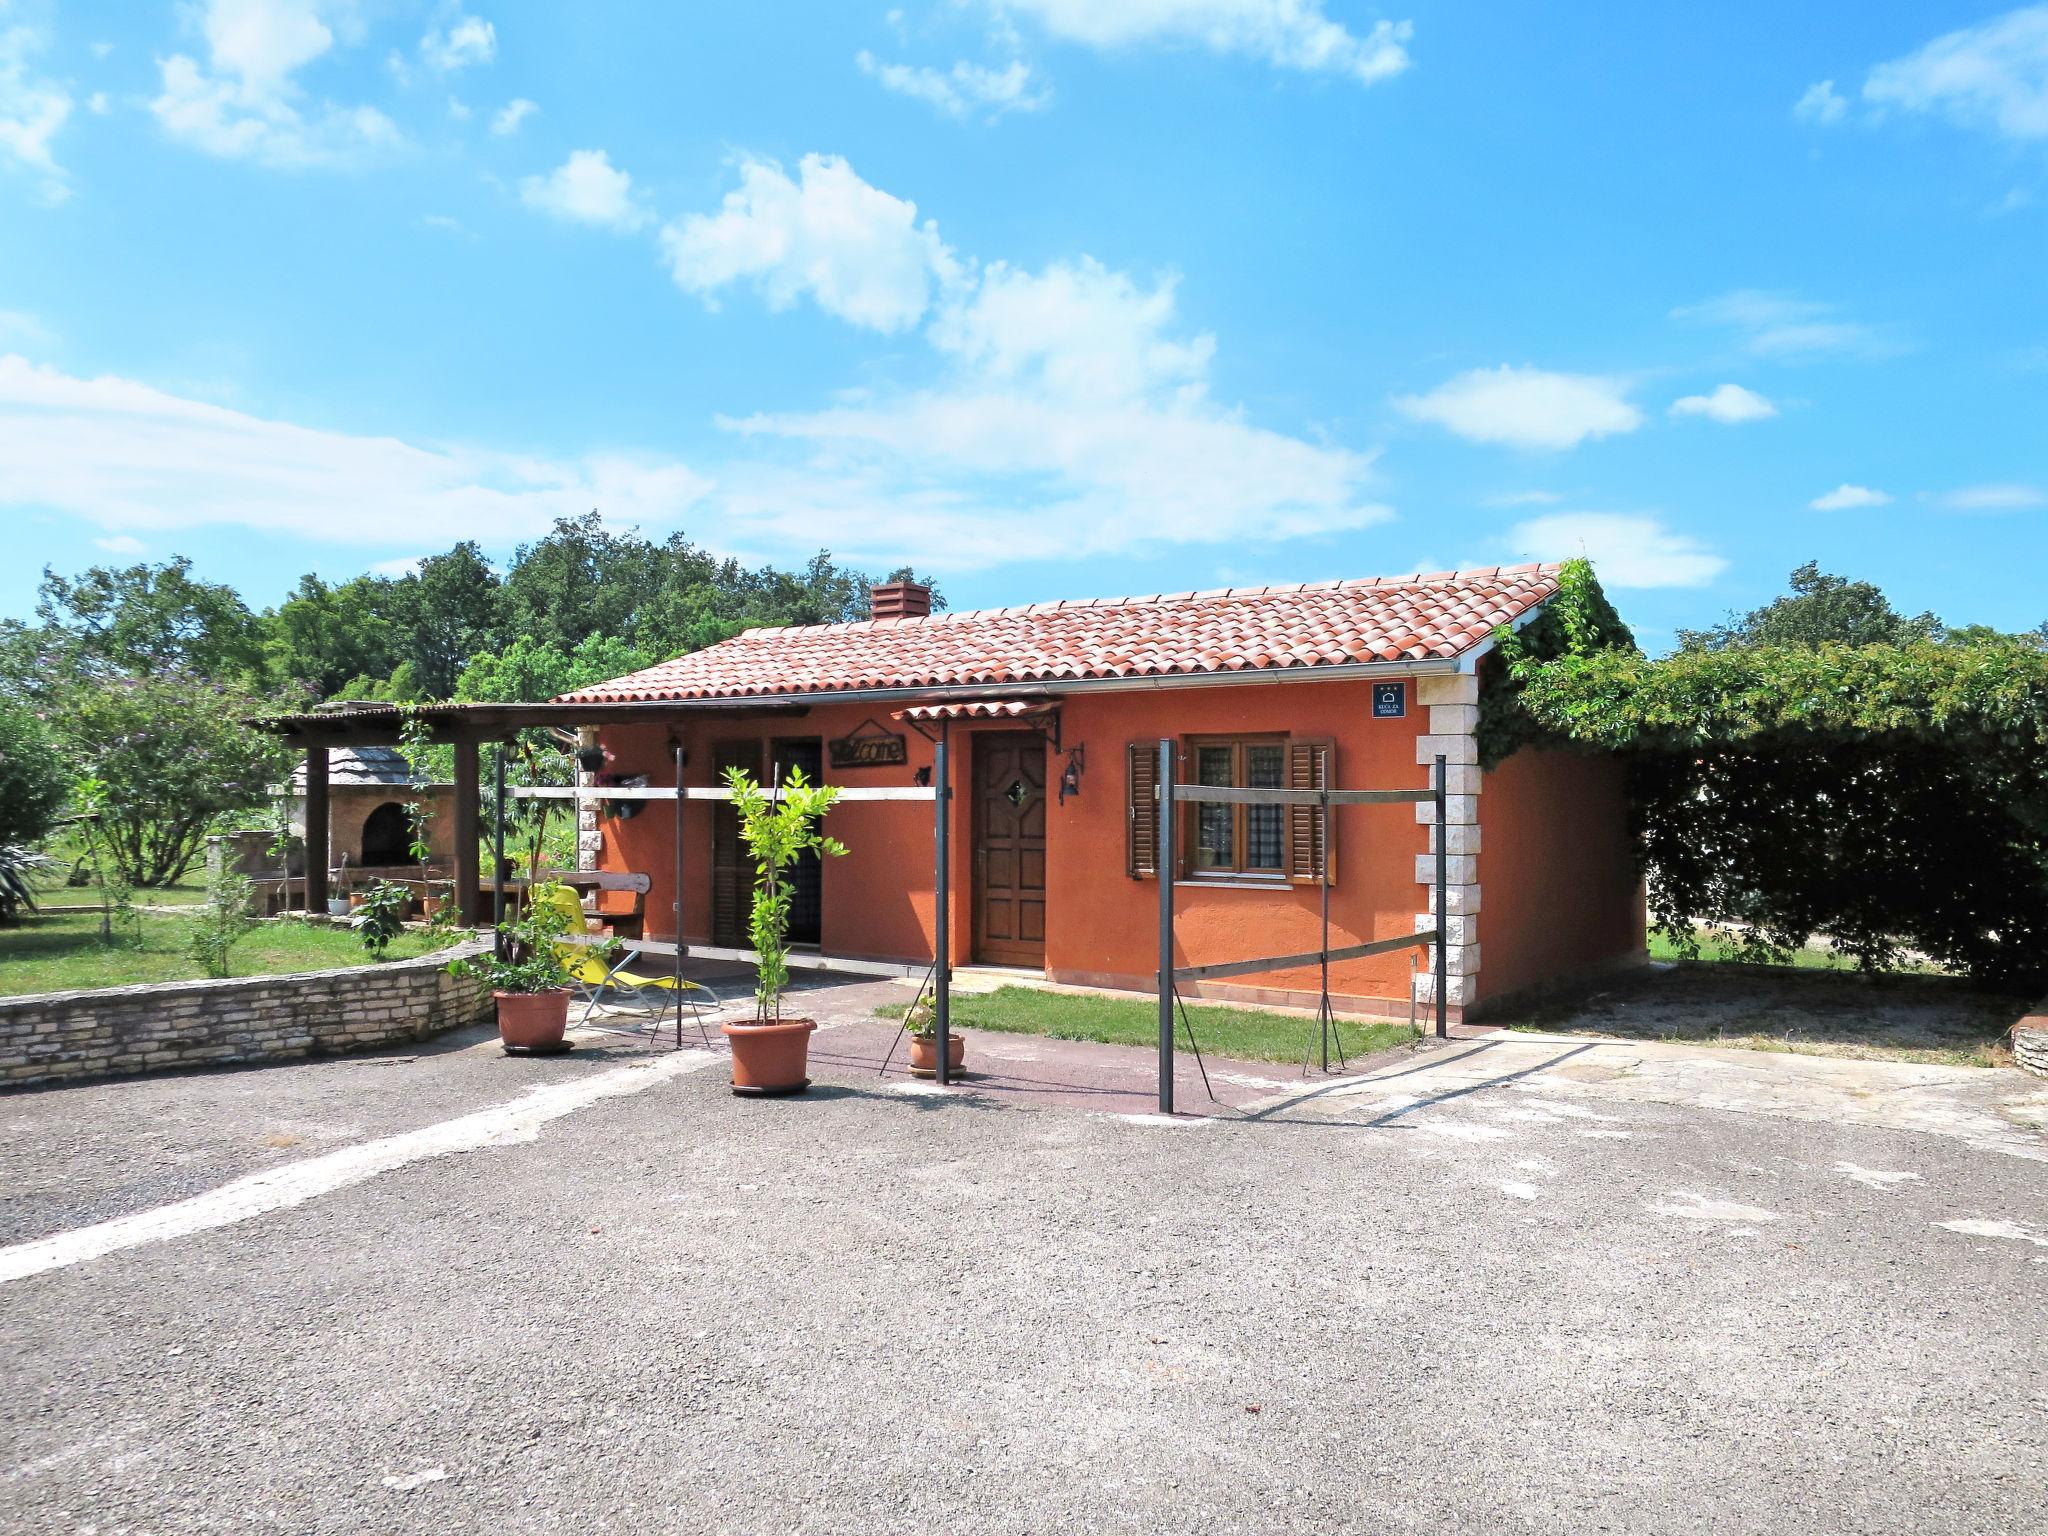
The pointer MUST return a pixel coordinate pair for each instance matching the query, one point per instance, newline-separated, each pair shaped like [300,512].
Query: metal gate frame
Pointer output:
[1171,795]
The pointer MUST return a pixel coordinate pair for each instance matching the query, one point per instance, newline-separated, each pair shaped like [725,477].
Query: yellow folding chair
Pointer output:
[643,996]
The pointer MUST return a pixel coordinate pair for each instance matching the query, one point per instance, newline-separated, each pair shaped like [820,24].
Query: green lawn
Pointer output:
[1244,1033]
[1814,957]
[188,892]
[56,953]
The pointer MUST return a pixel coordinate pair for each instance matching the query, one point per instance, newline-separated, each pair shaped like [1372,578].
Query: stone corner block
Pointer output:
[1451,688]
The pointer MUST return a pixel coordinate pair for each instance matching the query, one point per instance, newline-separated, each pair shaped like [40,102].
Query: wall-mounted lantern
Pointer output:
[1070,776]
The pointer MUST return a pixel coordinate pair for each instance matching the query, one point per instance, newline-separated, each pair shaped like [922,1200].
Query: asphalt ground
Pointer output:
[1494,1300]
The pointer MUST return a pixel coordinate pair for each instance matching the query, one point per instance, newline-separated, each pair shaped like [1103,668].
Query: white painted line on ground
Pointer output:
[1875,1178]
[2016,1231]
[502,1125]
[1700,1208]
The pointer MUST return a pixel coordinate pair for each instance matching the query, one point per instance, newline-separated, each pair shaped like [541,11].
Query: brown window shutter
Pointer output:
[1311,764]
[1141,832]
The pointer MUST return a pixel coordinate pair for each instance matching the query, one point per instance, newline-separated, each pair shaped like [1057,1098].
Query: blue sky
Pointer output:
[1051,297]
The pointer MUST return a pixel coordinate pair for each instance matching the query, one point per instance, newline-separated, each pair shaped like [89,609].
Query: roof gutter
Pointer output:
[1064,687]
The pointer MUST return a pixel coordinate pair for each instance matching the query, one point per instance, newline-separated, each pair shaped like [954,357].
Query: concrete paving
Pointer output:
[1503,1285]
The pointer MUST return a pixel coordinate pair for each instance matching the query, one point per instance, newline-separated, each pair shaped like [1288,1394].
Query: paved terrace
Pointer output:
[1498,1285]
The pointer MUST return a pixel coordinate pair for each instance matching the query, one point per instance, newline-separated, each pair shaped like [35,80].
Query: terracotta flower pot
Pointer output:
[532,1020]
[924,1053]
[770,1059]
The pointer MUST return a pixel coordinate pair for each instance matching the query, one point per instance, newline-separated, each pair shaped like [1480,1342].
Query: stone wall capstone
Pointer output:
[159,1026]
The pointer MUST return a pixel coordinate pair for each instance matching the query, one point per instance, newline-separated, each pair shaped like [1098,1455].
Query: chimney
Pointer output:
[900,600]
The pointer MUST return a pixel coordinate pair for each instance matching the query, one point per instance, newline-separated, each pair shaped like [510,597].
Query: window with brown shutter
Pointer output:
[1141,833]
[1310,765]
[1234,842]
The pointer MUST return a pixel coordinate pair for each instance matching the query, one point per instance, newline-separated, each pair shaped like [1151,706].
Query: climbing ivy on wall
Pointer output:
[1892,799]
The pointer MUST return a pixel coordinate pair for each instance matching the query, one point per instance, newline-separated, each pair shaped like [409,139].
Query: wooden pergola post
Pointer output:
[316,829]
[468,898]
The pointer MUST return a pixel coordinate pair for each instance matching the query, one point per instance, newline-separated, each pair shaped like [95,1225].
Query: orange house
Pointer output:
[1053,715]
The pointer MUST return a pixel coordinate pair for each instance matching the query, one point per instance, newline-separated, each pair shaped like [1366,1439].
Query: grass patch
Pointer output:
[1247,1034]
[1812,957]
[62,951]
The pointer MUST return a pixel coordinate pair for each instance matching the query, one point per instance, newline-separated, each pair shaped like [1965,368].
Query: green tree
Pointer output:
[1820,610]
[532,671]
[33,779]
[173,752]
[447,609]
[151,618]
[322,636]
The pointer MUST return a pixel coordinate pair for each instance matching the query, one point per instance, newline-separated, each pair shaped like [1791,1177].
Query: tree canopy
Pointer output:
[1821,767]
[131,687]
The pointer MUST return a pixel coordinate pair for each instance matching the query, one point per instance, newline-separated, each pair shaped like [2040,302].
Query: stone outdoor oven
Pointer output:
[369,790]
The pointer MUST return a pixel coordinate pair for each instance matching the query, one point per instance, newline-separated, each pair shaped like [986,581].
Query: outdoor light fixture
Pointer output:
[1070,776]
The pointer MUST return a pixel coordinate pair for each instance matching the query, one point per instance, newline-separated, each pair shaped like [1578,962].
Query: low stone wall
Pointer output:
[2030,1042]
[114,1031]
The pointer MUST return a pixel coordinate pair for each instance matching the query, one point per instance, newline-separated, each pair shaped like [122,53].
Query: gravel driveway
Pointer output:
[1447,1299]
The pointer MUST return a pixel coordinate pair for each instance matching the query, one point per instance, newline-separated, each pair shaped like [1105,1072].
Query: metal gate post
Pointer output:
[498,854]
[942,941]
[1443,918]
[1164,857]
[678,896]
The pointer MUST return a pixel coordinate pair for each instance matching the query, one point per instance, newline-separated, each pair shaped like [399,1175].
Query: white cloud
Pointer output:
[1846,497]
[1078,331]
[1992,76]
[1627,551]
[23,328]
[1784,327]
[99,104]
[1729,404]
[1821,103]
[122,544]
[1993,498]
[512,115]
[1290,34]
[464,41]
[1526,407]
[131,458]
[586,189]
[1076,422]
[1525,499]
[853,249]
[244,103]
[33,109]
[965,88]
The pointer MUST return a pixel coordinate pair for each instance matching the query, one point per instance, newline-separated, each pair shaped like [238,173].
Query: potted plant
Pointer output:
[770,1054]
[529,974]
[921,1019]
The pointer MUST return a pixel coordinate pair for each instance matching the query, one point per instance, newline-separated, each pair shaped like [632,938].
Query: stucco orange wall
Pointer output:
[1100,925]
[1558,886]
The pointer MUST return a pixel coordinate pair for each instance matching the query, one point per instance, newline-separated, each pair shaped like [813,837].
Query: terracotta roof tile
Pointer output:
[1288,629]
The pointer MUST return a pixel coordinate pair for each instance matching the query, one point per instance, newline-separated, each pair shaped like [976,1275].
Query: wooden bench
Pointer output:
[627,920]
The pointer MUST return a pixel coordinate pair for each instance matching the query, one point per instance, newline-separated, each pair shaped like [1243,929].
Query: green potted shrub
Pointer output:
[921,1022]
[529,975]
[771,1054]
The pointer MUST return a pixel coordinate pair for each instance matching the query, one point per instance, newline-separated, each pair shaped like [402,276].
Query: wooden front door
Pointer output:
[1009,848]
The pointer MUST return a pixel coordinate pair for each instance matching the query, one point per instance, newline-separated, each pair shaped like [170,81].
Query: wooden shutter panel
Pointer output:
[1311,764]
[1141,831]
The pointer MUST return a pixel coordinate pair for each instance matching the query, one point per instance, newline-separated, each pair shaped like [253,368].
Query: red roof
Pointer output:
[1286,630]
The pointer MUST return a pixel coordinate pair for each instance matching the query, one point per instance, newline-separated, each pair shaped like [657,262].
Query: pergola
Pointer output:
[468,727]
